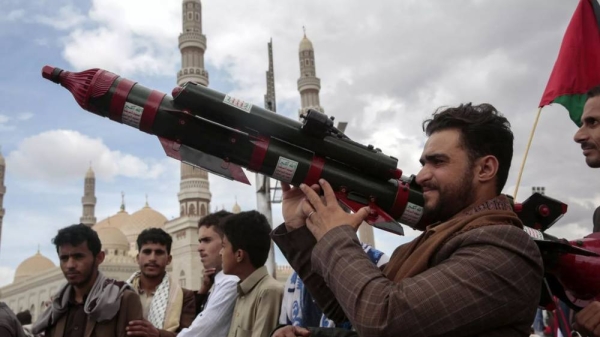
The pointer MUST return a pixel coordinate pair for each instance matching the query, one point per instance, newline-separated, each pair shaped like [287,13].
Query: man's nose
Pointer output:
[70,263]
[580,136]
[423,175]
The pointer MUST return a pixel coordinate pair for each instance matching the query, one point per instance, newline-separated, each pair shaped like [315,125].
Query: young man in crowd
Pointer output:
[246,246]
[216,297]
[167,307]
[89,304]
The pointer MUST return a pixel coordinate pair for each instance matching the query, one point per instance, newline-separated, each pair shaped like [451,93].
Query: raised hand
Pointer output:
[324,215]
[295,207]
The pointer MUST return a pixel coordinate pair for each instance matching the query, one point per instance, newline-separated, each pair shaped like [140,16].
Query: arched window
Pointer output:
[192,209]
[182,213]
[203,210]
[182,278]
[190,16]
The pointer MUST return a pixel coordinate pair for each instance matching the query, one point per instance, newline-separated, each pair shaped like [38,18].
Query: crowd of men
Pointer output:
[473,271]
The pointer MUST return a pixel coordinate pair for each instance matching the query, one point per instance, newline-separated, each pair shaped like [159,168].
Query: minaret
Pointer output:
[194,193]
[270,102]
[308,83]
[2,191]
[88,201]
[263,184]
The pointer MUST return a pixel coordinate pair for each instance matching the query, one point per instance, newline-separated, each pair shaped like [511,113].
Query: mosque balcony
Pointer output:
[192,39]
[311,82]
[88,200]
[192,74]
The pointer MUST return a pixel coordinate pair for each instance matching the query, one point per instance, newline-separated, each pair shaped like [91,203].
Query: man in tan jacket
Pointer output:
[89,305]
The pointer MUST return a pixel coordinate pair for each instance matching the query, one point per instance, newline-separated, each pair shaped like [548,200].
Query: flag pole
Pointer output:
[537,118]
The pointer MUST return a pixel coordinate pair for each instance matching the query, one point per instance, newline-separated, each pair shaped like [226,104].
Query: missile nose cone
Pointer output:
[51,73]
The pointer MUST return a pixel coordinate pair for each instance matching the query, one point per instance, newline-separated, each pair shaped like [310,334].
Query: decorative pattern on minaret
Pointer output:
[2,191]
[88,201]
[194,189]
[270,101]
[309,84]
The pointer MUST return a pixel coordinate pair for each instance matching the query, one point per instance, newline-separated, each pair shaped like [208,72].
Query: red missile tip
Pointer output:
[83,85]
[47,72]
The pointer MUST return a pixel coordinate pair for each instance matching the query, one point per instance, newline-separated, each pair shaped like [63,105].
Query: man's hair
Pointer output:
[24,317]
[77,234]
[214,220]
[483,131]
[249,231]
[154,235]
[595,91]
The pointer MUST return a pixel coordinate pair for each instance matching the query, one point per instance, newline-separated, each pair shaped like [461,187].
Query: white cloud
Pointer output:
[4,119]
[58,155]
[66,18]
[128,37]
[13,15]
[24,116]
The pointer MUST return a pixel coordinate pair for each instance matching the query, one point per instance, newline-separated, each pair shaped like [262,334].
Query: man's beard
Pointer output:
[452,198]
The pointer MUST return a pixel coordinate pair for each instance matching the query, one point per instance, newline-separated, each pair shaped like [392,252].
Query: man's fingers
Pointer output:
[136,322]
[299,331]
[312,197]
[330,198]
[359,217]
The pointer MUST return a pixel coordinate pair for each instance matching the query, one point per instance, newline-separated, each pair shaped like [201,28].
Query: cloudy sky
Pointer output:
[384,68]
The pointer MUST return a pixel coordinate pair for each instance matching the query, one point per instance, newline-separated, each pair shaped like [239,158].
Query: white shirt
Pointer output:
[215,319]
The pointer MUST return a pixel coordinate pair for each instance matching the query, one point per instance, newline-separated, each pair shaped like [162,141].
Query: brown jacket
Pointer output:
[188,313]
[483,282]
[131,309]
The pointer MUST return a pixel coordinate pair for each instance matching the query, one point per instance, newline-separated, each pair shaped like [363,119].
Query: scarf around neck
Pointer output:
[413,258]
[160,300]
[102,304]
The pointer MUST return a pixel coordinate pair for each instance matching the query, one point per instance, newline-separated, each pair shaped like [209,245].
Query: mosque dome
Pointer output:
[32,266]
[305,44]
[145,218]
[112,238]
[118,220]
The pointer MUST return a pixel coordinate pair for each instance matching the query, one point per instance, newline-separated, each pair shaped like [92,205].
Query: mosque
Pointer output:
[37,278]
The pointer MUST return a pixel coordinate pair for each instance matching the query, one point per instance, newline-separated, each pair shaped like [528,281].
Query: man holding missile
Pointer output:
[472,272]
[587,321]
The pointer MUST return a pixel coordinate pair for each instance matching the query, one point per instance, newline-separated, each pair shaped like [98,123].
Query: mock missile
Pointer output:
[222,134]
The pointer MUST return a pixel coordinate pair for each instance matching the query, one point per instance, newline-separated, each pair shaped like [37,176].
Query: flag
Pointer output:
[577,68]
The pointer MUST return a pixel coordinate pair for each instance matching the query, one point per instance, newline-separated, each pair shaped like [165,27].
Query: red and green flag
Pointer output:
[577,68]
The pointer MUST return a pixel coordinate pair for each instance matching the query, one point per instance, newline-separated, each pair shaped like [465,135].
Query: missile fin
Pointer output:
[204,161]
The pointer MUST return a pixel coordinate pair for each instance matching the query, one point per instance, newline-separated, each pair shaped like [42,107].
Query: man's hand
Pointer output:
[291,331]
[587,321]
[294,206]
[141,328]
[207,280]
[324,216]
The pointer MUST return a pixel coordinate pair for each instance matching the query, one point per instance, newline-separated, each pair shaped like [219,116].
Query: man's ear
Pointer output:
[169,259]
[100,258]
[240,255]
[486,168]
